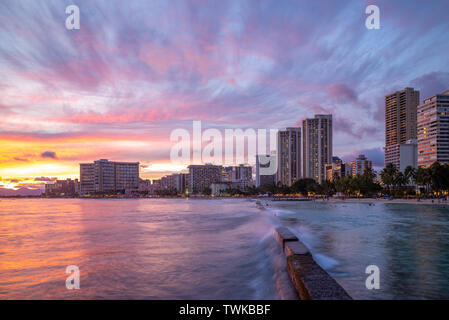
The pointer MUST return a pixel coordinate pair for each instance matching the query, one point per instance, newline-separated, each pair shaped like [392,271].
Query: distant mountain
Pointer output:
[20,192]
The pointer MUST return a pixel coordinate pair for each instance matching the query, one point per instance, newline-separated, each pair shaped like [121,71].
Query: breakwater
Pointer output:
[310,280]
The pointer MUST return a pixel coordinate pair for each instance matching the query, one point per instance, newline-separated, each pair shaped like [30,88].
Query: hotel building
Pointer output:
[360,164]
[289,156]
[433,130]
[317,146]
[181,182]
[108,176]
[400,122]
[87,178]
[202,176]
[242,176]
[338,169]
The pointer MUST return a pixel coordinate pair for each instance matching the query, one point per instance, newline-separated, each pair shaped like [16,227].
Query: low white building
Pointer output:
[408,154]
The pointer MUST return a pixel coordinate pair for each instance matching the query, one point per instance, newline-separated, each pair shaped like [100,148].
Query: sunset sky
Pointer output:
[136,70]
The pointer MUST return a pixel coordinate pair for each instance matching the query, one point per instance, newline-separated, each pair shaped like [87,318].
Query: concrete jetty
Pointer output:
[310,280]
[284,235]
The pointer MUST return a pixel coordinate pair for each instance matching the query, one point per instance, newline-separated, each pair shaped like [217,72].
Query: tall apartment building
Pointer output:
[202,176]
[317,146]
[289,156]
[433,130]
[181,182]
[400,122]
[360,164]
[263,179]
[109,176]
[104,176]
[87,178]
[126,175]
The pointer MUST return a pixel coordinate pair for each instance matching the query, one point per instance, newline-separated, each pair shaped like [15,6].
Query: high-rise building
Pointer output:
[104,176]
[352,167]
[126,175]
[361,163]
[242,176]
[87,178]
[181,182]
[433,130]
[108,176]
[262,178]
[317,146]
[338,170]
[242,172]
[289,156]
[202,176]
[400,122]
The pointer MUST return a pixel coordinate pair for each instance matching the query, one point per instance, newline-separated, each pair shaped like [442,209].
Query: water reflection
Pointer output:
[140,249]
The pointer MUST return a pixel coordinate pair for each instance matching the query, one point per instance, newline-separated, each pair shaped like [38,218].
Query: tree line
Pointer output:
[359,185]
[431,181]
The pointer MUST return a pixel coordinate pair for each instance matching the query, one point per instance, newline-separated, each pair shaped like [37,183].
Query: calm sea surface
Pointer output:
[215,249]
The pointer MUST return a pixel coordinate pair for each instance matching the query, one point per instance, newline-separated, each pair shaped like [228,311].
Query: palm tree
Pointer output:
[423,178]
[409,175]
[388,175]
[327,188]
[436,176]
[399,180]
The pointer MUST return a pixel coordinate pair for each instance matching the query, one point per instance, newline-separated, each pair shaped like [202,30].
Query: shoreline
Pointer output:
[393,201]
[267,199]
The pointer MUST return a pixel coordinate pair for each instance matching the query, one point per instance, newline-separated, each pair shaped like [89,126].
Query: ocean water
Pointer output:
[216,249]
[408,243]
[140,249]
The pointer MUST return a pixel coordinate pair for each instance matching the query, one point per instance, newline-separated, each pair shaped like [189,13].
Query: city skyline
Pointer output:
[116,88]
[327,163]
